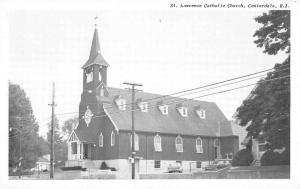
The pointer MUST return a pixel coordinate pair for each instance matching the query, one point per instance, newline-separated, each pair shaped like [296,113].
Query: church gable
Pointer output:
[101,90]
[73,137]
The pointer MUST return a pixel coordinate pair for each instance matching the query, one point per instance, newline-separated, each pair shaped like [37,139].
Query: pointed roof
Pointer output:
[95,55]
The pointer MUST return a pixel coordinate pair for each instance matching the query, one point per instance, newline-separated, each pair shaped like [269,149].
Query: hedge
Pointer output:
[274,158]
[242,158]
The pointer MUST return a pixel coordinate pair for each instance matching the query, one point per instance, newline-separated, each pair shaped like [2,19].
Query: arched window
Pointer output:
[136,142]
[157,143]
[113,138]
[179,144]
[199,148]
[100,140]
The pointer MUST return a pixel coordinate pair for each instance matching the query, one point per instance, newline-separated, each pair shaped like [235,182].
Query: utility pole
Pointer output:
[132,128]
[20,157]
[52,131]
[20,146]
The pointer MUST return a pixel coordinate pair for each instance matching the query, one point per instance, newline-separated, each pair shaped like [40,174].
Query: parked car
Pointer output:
[218,164]
[176,168]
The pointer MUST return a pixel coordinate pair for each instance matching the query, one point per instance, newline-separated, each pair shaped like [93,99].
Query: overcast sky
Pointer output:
[165,50]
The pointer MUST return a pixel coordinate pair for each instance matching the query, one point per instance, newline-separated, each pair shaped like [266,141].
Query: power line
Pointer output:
[180,101]
[189,90]
[224,85]
[183,100]
[26,132]
[205,86]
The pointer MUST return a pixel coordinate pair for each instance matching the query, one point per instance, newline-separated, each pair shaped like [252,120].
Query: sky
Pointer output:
[165,50]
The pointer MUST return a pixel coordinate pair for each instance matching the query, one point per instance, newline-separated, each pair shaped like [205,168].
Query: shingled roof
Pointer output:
[85,136]
[215,123]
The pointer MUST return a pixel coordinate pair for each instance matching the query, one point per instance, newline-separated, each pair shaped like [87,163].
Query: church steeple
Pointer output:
[95,55]
[95,48]
[95,69]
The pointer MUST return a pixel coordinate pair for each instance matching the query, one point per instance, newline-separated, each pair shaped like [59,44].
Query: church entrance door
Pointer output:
[85,151]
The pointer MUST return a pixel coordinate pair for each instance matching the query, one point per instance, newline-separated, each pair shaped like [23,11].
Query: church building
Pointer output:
[168,130]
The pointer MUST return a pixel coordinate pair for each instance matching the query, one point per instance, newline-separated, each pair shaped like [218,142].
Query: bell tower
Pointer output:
[95,69]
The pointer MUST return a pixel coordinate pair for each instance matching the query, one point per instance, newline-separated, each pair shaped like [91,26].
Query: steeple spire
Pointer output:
[95,48]
[95,55]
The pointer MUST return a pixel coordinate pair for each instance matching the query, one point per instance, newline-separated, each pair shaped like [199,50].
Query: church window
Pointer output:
[157,143]
[136,142]
[198,164]
[183,111]
[144,106]
[100,76]
[179,144]
[199,147]
[164,109]
[113,138]
[201,113]
[102,91]
[100,140]
[89,77]
[121,104]
[156,164]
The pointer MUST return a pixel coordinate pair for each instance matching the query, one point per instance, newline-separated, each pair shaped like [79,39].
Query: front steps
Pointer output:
[256,163]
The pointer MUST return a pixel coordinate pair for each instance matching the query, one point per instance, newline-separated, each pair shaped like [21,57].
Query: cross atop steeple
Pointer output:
[95,19]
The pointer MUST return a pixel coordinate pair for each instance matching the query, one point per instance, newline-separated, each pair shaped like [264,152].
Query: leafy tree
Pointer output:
[60,145]
[266,111]
[23,129]
[275,33]
[68,126]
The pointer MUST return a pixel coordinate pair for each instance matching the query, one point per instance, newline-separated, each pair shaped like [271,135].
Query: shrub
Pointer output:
[71,168]
[104,166]
[275,158]
[242,158]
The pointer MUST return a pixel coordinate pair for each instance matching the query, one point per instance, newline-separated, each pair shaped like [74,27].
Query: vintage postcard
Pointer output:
[193,91]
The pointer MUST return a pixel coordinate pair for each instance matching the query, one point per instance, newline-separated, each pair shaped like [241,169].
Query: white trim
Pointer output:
[201,113]
[162,108]
[121,103]
[200,146]
[176,145]
[114,124]
[71,135]
[183,111]
[143,106]
[160,148]
[101,135]
[112,142]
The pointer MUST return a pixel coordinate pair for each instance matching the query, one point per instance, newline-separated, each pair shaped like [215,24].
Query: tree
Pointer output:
[68,126]
[60,145]
[24,127]
[266,111]
[275,33]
